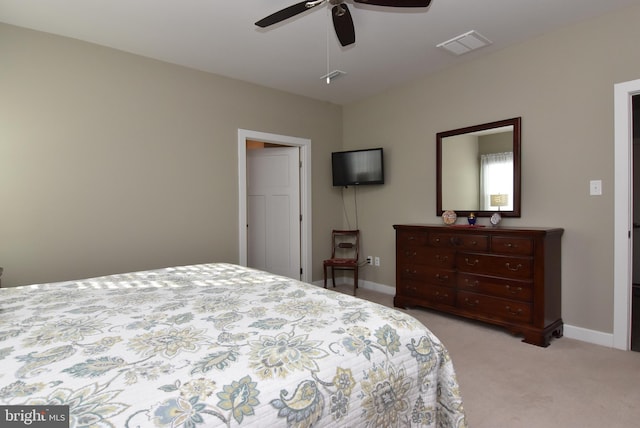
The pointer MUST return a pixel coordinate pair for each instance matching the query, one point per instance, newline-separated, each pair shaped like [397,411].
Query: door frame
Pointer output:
[623,213]
[304,145]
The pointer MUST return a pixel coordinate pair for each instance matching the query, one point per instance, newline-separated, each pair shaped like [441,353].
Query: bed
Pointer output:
[220,345]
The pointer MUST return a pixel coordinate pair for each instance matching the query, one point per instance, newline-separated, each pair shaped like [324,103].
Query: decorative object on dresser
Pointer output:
[510,277]
[449,217]
[471,219]
[495,219]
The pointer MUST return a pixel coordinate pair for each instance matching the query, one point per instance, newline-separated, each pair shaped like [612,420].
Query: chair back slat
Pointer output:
[345,244]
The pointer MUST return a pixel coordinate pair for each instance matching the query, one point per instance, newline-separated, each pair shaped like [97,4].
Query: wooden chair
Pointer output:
[345,249]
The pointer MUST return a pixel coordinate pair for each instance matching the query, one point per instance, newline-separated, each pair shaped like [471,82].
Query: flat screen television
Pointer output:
[357,167]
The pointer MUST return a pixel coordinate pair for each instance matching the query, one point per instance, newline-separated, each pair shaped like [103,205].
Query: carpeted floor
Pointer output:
[506,383]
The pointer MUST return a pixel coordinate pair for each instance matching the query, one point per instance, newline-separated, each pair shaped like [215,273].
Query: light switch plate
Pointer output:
[595,187]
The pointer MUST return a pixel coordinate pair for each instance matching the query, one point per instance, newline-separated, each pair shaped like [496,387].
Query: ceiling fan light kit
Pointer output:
[342,20]
[333,75]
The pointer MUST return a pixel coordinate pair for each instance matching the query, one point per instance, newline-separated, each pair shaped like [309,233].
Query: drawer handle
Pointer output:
[472,262]
[474,283]
[471,302]
[411,238]
[440,296]
[410,253]
[513,269]
[516,290]
[442,278]
[409,271]
[517,312]
[441,258]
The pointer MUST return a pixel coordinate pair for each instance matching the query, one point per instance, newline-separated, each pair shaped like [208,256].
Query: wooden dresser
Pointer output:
[509,277]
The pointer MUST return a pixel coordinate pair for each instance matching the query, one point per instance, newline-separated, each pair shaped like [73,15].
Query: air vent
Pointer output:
[464,43]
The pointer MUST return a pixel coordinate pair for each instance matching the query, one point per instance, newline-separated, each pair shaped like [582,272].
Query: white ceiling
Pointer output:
[392,45]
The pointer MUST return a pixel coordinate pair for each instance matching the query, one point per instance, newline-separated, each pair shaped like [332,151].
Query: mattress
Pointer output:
[220,345]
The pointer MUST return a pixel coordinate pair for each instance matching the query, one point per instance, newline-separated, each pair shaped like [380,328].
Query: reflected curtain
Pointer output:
[496,178]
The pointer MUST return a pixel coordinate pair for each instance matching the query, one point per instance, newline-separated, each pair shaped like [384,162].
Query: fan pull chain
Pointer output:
[327,40]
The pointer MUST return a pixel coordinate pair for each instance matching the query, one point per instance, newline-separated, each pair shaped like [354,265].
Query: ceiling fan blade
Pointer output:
[285,13]
[397,3]
[343,24]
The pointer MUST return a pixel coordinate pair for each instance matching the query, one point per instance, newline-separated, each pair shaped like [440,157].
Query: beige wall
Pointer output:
[562,86]
[112,162]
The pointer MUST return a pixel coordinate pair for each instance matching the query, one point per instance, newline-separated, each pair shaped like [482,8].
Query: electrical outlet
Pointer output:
[595,187]
[369,260]
[377,261]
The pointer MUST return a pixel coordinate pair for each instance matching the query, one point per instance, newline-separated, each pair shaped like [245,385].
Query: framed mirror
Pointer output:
[478,169]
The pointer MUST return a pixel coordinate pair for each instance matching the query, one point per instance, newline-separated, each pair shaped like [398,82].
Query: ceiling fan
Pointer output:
[342,21]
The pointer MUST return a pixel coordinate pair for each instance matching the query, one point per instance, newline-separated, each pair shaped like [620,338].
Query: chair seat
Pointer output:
[346,262]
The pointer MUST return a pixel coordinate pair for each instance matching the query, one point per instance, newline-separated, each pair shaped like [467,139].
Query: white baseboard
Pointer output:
[590,336]
[572,332]
[367,285]
[380,288]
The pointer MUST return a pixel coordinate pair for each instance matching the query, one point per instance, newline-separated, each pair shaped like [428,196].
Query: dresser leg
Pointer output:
[536,339]
[543,337]
[558,332]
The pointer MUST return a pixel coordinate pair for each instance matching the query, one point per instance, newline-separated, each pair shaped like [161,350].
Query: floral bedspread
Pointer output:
[220,345]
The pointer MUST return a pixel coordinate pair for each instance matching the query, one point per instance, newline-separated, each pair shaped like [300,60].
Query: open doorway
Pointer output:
[635,293]
[304,146]
[623,212]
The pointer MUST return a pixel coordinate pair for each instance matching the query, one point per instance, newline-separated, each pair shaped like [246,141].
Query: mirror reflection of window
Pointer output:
[496,179]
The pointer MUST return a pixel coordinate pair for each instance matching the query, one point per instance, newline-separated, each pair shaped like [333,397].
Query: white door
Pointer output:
[273,210]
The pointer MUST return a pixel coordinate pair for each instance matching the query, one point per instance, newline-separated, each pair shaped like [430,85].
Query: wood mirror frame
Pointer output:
[498,126]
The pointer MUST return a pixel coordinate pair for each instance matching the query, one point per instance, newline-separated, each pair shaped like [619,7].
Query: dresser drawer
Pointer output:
[498,287]
[441,239]
[411,238]
[498,265]
[512,245]
[460,241]
[494,307]
[431,275]
[431,256]
[471,242]
[432,293]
